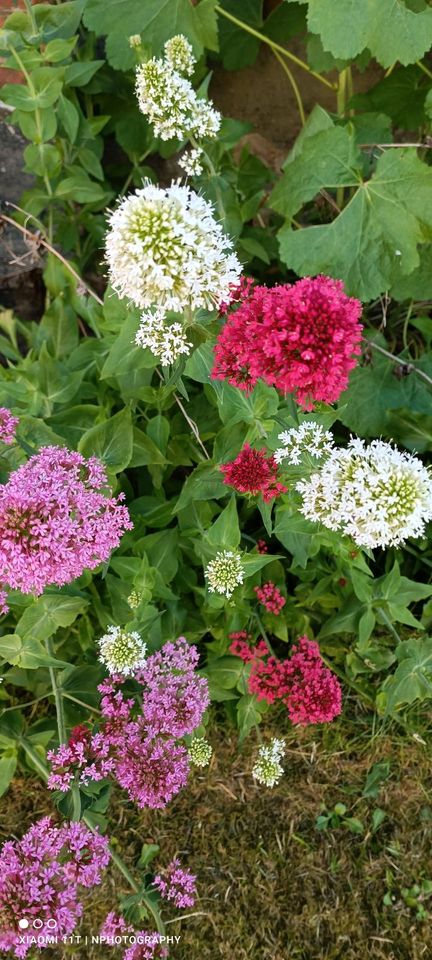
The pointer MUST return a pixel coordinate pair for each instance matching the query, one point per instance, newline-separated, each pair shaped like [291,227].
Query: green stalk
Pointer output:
[294,86]
[344,94]
[61,725]
[275,46]
[38,121]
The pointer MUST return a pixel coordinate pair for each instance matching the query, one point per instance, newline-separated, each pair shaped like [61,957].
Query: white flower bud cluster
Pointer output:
[167,98]
[224,573]
[375,494]
[167,341]
[122,652]
[309,438]
[164,248]
[268,768]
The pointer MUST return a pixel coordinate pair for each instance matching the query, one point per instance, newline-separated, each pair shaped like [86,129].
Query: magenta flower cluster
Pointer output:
[301,338]
[8,425]
[177,885]
[41,876]
[140,746]
[56,520]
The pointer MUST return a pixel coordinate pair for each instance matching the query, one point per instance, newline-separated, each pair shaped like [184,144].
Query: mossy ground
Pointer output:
[272,886]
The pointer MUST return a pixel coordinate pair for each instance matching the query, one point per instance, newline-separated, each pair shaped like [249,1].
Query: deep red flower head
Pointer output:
[253,471]
[301,338]
[309,690]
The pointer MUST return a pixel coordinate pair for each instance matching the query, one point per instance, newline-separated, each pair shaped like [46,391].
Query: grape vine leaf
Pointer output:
[364,245]
[391,31]
[155,20]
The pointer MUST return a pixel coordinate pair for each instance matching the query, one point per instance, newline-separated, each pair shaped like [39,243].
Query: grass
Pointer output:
[272,886]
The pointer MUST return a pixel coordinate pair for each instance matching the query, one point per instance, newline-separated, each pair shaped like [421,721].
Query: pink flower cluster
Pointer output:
[309,690]
[8,425]
[301,338]
[240,646]
[56,521]
[144,946]
[262,546]
[140,747]
[270,597]
[253,471]
[40,877]
[177,885]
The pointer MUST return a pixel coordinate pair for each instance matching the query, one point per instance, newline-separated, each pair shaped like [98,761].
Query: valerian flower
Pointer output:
[165,249]
[268,769]
[373,493]
[224,573]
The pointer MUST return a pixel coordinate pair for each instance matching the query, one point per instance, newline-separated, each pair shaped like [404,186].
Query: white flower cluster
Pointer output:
[310,437]
[225,572]
[268,769]
[167,341]
[165,248]
[190,162]
[375,494]
[200,752]
[122,652]
[179,55]
[168,99]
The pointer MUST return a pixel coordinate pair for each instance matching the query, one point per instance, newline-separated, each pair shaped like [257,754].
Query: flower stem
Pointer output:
[262,628]
[294,85]
[35,758]
[151,907]
[409,366]
[61,726]
[274,46]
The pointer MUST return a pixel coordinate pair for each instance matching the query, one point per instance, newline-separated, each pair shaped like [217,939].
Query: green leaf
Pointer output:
[400,189]
[57,50]
[401,96]
[224,534]
[145,451]
[249,714]
[199,364]
[82,682]
[33,655]
[78,74]
[156,21]
[412,679]
[374,390]
[8,763]
[80,188]
[111,441]
[148,852]
[391,31]
[205,483]
[69,117]
[225,671]
[297,534]
[46,614]
[238,48]
[10,646]
[376,776]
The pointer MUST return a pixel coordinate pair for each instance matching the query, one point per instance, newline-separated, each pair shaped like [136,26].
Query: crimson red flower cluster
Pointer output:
[253,471]
[270,597]
[301,338]
[309,690]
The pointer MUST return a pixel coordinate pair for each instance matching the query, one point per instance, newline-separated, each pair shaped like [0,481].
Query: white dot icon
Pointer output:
[23,924]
